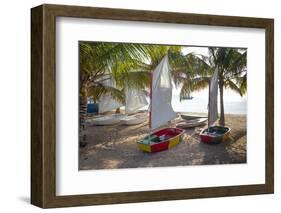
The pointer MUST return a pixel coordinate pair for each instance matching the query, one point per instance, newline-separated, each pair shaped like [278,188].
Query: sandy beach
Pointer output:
[112,147]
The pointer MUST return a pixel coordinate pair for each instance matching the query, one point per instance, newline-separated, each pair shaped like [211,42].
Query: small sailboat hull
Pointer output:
[215,134]
[191,123]
[191,117]
[133,120]
[161,140]
[107,120]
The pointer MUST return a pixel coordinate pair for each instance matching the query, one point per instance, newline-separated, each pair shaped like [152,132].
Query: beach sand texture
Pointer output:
[112,147]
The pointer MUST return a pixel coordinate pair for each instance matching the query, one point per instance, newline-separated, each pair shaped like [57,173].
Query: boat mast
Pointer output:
[213,102]
[150,94]
[209,103]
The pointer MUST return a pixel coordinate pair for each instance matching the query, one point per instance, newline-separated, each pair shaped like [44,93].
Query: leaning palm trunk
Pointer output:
[82,112]
[82,118]
[222,120]
[83,105]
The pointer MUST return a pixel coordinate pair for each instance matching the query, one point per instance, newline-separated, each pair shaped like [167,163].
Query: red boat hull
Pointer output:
[215,138]
[153,143]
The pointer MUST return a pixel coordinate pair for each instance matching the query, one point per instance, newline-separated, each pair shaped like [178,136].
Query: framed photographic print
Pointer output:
[136,106]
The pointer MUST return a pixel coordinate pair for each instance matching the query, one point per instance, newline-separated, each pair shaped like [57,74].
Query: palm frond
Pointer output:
[97,92]
[242,81]
[134,79]
[195,84]
[231,85]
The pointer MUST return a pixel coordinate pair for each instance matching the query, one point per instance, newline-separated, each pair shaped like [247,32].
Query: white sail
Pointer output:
[135,99]
[106,102]
[161,95]
[213,99]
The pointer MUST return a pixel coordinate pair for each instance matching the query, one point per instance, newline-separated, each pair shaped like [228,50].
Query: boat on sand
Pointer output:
[134,100]
[191,123]
[161,112]
[133,119]
[191,117]
[215,134]
[161,140]
[107,120]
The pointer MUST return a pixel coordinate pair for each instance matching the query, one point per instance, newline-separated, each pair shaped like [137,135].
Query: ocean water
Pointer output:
[233,103]
[200,105]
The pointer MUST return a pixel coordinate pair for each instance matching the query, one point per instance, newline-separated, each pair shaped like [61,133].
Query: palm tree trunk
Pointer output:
[83,104]
[82,111]
[222,119]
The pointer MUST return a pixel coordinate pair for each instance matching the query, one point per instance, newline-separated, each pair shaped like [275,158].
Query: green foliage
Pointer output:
[101,61]
[196,73]
[129,65]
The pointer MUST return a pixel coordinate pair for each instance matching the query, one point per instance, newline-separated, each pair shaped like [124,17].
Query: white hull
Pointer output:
[107,120]
[191,117]
[133,120]
[192,123]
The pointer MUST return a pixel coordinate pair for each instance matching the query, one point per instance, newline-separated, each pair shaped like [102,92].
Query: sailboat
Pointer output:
[191,123]
[106,104]
[214,134]
[191,117]
[135,99]
[161,112]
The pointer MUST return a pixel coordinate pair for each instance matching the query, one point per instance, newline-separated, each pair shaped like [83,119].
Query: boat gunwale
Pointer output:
[180,134]
[214,136]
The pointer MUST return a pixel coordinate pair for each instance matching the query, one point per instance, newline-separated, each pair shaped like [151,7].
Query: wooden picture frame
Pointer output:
[43,105]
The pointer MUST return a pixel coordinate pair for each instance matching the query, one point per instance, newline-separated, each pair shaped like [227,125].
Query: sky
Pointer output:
[196,50]
[229,95]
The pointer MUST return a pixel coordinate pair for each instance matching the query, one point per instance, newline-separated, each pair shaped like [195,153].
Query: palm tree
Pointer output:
[232,73]
[96,62]
[127,64]
[132,72]
[136,74]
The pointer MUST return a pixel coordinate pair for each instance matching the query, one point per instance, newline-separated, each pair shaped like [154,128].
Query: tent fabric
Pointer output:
[213,99]
[135,99]
[106,102]
[161,95]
